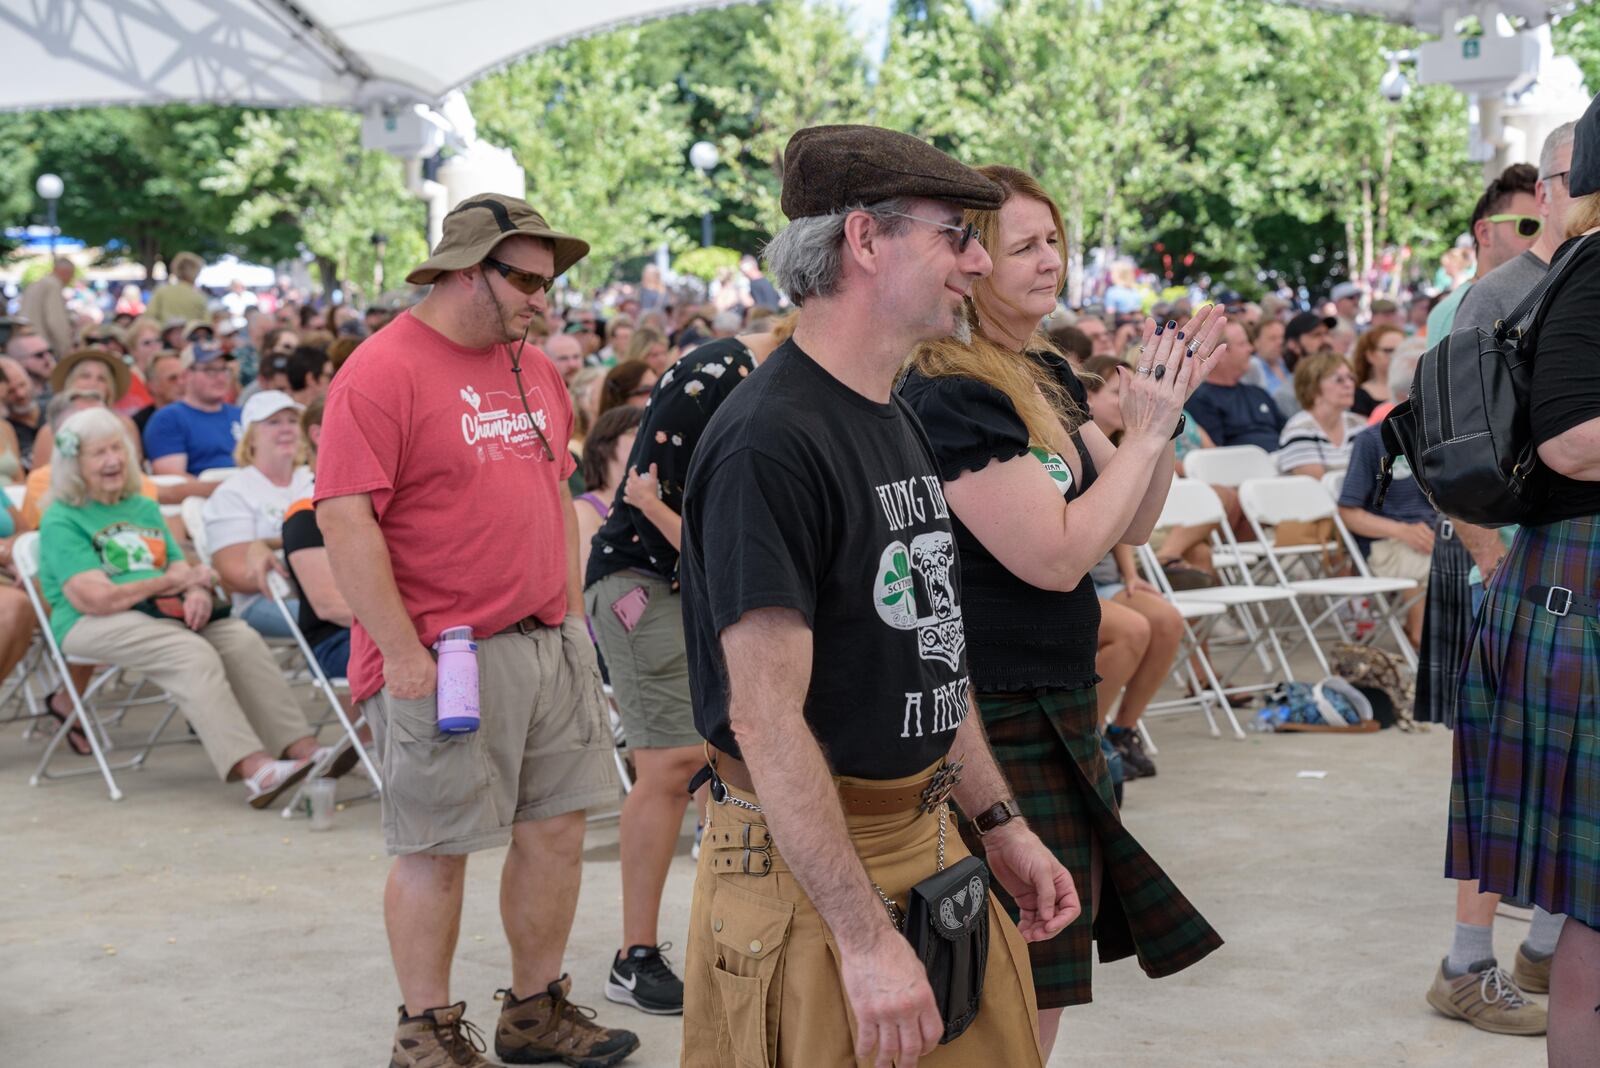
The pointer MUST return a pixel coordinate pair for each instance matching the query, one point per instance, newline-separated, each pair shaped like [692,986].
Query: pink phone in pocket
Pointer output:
[629,608]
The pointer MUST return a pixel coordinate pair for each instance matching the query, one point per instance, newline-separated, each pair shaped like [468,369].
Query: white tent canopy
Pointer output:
[277,53]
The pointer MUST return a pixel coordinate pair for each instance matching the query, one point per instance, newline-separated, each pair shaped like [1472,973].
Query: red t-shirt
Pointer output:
[467,499]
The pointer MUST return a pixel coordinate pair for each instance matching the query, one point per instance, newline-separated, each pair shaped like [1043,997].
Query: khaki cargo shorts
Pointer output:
[649,665]
[543,749]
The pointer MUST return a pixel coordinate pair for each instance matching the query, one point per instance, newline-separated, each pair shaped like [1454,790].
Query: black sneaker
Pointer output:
[1128,743]
[644,980]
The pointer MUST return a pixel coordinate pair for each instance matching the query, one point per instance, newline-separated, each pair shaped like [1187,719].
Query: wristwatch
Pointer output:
[1183,420]
[995,816]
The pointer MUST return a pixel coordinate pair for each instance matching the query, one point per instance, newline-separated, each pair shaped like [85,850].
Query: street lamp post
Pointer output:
[380,245]
[50,187]
[703,156]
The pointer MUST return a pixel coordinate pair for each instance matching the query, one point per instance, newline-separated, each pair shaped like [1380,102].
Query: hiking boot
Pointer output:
[548,1027]
[1532,975]
[439,1038]
[644,979]
[1131,748]
[1488,999]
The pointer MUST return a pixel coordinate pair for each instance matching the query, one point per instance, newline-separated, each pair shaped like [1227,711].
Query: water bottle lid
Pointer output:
[451,634]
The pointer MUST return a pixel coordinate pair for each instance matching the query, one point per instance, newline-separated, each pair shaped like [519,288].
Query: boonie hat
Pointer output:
[63,370]
[266,404]
[1346,290]
[828,168]
[476,225]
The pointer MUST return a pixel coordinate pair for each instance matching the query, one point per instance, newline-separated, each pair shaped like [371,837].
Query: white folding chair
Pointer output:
[25,553]
[1231,465]
[279,590]
[169,510]
[1270,501]
[1194,503]
[216,474]
[1183,673]
[194,520]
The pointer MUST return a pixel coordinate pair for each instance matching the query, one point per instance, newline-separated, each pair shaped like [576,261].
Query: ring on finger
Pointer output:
[1142,371]
[1161,369]
[1194,346]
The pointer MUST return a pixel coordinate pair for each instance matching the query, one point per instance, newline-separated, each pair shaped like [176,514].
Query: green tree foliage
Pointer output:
[606,153]
[300,179]
[1577,34]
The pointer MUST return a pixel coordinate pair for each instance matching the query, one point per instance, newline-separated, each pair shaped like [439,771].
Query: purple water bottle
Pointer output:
[457,701]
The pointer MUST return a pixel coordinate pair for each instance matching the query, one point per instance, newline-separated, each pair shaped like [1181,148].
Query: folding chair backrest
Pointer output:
[1333,482]
[1191,503]
[216,474]
[1272,501]
[1228,465]
[194,520]
[16,495]
[168,480]
[25,554]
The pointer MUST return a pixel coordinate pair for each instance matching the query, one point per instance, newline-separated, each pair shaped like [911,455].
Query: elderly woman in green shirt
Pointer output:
[120,592]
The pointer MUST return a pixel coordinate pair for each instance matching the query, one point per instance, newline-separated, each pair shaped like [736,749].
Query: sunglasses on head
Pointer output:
[529,282]
[1527,225]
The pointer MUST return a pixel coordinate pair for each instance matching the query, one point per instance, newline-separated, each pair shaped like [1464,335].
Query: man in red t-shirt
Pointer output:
[441,493]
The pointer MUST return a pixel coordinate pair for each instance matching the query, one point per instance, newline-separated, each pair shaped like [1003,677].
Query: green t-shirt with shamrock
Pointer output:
[128,541]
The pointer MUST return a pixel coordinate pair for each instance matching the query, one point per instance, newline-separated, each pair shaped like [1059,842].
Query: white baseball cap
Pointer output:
[266,404]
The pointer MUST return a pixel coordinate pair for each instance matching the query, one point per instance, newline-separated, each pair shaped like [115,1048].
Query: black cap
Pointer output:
[1304,323]
[1583,177]
[828,168]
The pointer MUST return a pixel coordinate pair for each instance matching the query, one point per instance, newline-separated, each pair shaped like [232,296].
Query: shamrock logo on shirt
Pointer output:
[897,580]
[895,594]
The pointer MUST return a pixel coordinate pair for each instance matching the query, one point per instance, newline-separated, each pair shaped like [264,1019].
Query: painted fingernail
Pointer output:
[1171,324]
[1180,335]
[1159,328]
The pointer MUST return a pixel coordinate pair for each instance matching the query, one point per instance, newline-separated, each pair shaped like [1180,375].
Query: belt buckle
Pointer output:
[939,788]
[525,628]
[764,851]
[1566,605]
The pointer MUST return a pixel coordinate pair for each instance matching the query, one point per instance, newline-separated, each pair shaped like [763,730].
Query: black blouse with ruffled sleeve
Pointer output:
[1019,637]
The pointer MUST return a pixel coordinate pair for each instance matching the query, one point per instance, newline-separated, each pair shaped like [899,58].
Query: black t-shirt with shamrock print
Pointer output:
[680,407]
[803,494]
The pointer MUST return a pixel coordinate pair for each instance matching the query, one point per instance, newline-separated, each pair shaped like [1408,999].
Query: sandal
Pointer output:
[76,739]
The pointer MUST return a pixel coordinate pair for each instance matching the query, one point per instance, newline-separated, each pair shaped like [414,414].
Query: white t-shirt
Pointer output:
[248,506]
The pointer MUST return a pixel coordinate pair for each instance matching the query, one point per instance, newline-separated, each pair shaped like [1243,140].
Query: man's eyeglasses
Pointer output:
[529,282]
[1527,225]
[1552,177]
[964,234]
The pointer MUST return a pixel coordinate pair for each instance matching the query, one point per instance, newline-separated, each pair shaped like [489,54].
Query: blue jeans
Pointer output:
[333,654]
[264,617]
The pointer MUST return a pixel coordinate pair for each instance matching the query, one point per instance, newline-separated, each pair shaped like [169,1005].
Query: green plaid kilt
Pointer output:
[1048,747]
[1525,793]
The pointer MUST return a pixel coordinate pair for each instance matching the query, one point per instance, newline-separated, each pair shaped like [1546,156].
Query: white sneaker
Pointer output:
[271,780]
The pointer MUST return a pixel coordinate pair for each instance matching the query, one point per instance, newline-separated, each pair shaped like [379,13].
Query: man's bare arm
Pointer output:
[768,653]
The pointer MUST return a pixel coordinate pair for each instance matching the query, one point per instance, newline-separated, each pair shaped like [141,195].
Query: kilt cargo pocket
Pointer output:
[750,932]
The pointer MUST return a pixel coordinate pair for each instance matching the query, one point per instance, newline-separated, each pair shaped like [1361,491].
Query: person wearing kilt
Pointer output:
[1034,506]
[1525,795]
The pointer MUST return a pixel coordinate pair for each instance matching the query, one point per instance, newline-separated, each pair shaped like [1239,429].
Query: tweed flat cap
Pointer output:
[1584,176]
[826,168]
[476,225]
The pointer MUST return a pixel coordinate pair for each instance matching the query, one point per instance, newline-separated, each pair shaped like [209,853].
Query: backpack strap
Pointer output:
[1524,312]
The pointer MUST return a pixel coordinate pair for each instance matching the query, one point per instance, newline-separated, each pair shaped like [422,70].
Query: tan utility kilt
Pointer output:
[762,987]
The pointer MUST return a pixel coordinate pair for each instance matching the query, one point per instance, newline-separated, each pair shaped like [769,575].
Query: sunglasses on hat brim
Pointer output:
[529,282]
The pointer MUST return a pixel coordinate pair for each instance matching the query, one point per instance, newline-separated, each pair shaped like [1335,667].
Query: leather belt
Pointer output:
[1560,601]
[525,625]
[856,799]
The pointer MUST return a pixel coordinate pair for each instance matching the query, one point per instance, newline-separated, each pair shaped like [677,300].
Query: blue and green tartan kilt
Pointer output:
[1446,625]
[1525,793]
[1049,749]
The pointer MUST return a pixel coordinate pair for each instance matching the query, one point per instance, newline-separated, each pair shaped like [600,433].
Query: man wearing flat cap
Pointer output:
[822,615]
[442,496]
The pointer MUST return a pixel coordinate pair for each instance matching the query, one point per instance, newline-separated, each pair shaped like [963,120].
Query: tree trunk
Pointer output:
[1351,261]
[329,271]
[1075,249]
[1366,233]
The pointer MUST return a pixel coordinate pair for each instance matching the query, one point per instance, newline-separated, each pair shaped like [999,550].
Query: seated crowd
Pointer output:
[229,409]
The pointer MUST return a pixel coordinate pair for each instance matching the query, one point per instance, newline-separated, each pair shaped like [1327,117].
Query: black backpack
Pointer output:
[1466,430]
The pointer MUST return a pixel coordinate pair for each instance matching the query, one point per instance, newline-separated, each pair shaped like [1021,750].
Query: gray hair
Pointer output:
[57,411]
[1561,135]
[804,258]
[66,474]
[1403,366]
[727,322]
